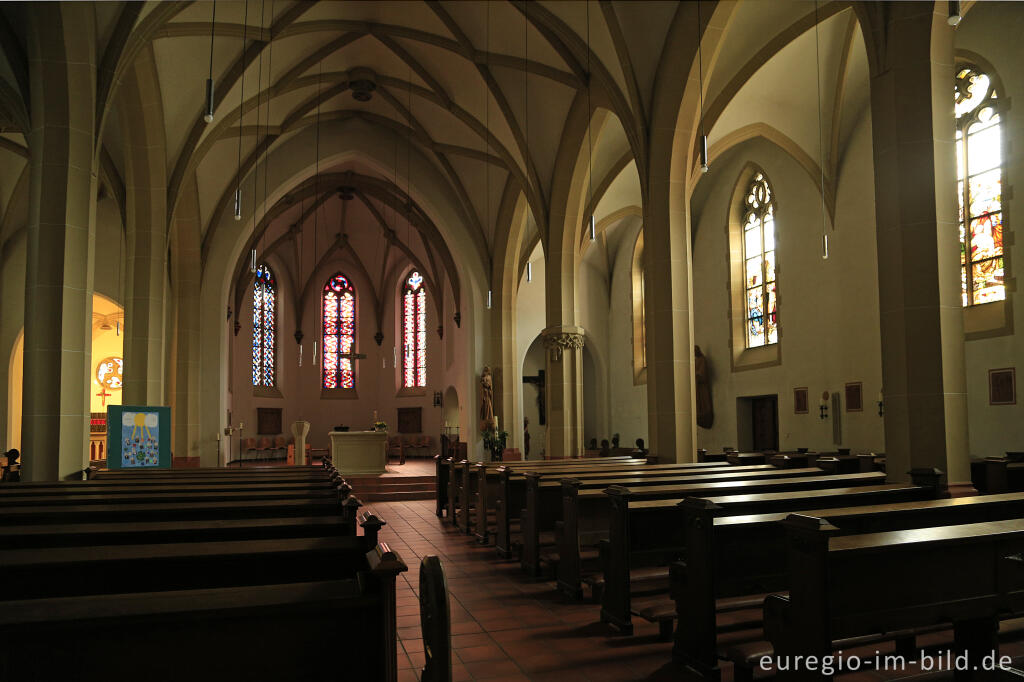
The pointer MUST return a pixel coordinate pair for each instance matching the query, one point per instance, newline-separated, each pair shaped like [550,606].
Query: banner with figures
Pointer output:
[138,437]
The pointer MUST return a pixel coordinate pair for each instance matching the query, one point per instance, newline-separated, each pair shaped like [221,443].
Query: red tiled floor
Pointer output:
[506,626]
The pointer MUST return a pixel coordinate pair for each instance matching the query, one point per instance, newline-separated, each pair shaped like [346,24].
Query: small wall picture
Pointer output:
[268,421]
[855,397]
[800,400]
[138,437]
[1002,386]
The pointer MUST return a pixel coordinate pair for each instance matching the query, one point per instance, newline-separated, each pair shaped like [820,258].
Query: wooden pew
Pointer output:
[174,495]
[645,536]
[1000,474]
[131,532]
[69,571]
[480,497]
[510,496]
[584,509]
[351,615]
[486,495]
[179,511]
[746,457]
[710,569]
[81,490]
[460,498]
[890,584]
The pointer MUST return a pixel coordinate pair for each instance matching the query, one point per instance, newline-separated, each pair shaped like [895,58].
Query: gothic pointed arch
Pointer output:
[339,318]
[414,331]
[264,328]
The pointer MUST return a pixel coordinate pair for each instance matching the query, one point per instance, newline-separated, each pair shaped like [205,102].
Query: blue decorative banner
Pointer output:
[138,437]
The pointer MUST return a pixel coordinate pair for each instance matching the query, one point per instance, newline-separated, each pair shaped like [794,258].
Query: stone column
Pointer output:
[921,317]
[146,213]
[563,390]
[668,311]
[59,261]
[184,375]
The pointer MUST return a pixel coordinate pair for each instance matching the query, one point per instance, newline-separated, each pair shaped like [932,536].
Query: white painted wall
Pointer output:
[828,309]
[993,30]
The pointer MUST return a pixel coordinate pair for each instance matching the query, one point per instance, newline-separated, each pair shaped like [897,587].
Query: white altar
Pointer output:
[359,452]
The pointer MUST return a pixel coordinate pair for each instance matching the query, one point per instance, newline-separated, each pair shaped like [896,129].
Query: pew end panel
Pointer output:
[435,621]
[371,525]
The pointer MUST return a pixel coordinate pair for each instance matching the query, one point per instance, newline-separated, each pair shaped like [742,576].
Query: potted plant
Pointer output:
[380,426]
[494,441]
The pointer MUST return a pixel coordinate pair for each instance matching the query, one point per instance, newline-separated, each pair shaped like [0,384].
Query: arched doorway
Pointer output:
[107,351]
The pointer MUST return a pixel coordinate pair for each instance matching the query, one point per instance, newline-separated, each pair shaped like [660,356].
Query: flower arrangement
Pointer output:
[380,426]
[494,441]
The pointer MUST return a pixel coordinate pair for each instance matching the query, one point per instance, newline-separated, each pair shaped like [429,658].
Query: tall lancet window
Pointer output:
[264,327]
[414,332]
[339,318]
[759,263]
[979,164]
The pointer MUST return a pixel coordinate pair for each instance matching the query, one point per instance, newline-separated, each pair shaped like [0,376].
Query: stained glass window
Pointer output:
[979,168]
[339,318]
[264,327]
[761,304]
[414,332]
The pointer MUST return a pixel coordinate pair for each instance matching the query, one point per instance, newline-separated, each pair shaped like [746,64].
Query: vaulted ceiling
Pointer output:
[480,91]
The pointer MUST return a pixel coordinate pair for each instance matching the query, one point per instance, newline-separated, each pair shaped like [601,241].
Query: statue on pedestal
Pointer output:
[486,399]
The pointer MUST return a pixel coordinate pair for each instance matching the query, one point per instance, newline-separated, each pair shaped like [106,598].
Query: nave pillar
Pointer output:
[184,359]
[910,48]
[60,247]
[668,312]
[146,216]
[563,377]
[563,339]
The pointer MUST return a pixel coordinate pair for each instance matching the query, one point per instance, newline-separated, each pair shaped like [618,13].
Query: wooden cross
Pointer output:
[103,395]
[352,356]
[538,381]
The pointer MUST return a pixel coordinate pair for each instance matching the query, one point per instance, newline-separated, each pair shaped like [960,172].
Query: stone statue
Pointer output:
[486,398]
[705,408]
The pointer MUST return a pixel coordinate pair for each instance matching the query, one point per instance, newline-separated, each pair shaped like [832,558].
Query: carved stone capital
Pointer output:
[559,339]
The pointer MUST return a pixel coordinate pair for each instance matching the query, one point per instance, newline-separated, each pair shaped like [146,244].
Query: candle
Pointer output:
[880,397]
[495,423]
[218,435]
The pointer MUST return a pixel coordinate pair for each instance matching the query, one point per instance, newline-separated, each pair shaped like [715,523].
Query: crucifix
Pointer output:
[538,381]
[103,395]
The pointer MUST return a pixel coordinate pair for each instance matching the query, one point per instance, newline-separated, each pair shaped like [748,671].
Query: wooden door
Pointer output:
[764,419]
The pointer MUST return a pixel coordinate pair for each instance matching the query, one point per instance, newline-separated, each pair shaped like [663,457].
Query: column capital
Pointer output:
[561,337]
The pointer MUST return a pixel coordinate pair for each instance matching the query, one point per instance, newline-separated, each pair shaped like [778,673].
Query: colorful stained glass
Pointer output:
[985,192]
[264,330]
[754,271]
[339,332]
[979,151]
[414,332]
[759,263]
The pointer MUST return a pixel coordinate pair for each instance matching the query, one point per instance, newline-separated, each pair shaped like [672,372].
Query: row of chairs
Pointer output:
[266,448]
[401,447]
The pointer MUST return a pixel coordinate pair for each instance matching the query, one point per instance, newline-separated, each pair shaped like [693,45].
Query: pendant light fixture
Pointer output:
[242,103]
[266,127]
[592,222]
[954,13]
[208,114]
[704,166]
[256,170]
[821,145]
[316,183]
[487,140]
